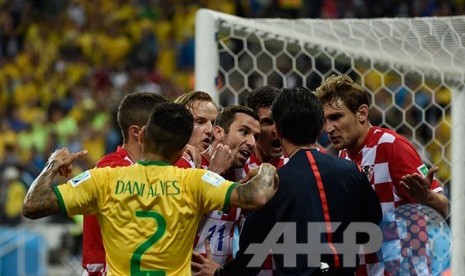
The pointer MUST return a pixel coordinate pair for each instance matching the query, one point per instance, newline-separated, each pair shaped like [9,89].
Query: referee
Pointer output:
[314,187]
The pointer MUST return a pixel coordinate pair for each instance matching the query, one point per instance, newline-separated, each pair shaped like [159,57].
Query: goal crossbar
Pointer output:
[429,44]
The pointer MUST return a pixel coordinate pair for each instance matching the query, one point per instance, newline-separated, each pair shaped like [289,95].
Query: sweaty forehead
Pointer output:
[244,120]
[264,112]
[203,109]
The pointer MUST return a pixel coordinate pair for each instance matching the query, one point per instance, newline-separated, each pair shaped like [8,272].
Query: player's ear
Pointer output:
[218,133]
[134,131]
[362,113]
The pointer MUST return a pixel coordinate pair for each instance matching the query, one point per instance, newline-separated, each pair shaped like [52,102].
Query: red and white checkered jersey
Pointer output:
[184,163]
[253,162]
[93,252]
[385,157]
[216,226]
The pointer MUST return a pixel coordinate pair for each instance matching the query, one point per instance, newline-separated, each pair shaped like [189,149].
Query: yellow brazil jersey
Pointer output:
[148,213]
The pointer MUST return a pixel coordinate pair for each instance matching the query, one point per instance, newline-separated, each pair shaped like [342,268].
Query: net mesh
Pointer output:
[410,66]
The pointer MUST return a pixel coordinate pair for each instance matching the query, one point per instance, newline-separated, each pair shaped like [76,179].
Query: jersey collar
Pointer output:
[153,162]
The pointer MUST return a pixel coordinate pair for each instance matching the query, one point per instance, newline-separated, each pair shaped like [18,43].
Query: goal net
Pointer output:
[413,67]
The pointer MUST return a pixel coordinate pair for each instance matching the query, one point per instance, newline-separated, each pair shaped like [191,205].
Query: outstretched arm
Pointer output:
[40,200]
[258,190]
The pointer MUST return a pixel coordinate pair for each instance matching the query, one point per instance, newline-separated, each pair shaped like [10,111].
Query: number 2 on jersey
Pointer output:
[137,255]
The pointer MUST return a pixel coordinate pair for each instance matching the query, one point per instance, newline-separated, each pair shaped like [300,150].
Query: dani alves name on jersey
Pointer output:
[161,188]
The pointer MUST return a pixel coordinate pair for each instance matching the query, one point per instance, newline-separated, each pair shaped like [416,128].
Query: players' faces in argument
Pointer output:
[241,137]
[268,144]
[344,127]
[204,113]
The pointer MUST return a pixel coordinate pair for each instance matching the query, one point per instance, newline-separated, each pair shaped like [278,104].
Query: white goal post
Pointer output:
[413,67]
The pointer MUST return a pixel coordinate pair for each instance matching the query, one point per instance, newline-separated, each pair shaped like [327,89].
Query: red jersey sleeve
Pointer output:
[93,252]
[405,160]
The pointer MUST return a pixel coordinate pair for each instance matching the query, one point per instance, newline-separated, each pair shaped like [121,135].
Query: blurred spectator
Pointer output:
[13,119]
[12,192]
[77,13]
[145,50]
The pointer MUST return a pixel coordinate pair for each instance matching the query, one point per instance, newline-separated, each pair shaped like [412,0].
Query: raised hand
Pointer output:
[251,173]
[40,200]
[221,159]
[203,266]
[258,190]
[417,186]
[64,159]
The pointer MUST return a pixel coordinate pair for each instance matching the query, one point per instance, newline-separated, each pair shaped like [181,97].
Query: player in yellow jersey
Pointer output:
[148,212]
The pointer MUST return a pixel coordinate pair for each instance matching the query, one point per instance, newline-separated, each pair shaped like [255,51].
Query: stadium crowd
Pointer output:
[65,65]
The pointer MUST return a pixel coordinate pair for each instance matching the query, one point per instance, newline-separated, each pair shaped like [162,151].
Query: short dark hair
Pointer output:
[168,129]
[262,97]
[227,115]
[135,109]
[298,115]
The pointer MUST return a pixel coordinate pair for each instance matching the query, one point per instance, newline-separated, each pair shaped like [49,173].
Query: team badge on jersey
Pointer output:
[368,170]
[423,170]
[80,178]
[212,178]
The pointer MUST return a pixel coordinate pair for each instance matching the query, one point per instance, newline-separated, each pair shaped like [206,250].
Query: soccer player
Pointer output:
[391,163]
[236,127]
[147,212]
[314,187]
[201,106]
[268,148]
[204,111]
[218,157]
[133,113]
